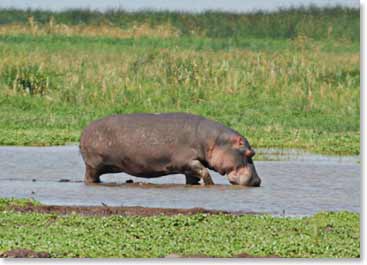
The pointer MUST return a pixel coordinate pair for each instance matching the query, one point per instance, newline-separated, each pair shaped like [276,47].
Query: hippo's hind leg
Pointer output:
[198,171]
[91,175]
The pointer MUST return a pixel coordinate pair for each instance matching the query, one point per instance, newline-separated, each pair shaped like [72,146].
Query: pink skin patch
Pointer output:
[240,176]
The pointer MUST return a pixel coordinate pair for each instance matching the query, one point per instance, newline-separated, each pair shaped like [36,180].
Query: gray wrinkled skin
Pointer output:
[154,145]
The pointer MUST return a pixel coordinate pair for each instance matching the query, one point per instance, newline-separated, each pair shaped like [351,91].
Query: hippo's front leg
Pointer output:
[196,169]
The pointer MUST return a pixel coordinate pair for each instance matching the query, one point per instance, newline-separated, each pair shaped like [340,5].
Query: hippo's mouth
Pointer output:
[232,182]
[244,177]
[236,179]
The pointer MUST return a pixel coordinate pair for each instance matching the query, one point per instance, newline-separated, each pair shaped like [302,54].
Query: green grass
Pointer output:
[325,234]
[56,43]
[288,91]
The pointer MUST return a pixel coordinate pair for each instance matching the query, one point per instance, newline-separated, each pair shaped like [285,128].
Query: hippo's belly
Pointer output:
[143,165]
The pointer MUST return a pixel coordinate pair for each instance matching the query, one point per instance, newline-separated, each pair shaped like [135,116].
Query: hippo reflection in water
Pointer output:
[154,145]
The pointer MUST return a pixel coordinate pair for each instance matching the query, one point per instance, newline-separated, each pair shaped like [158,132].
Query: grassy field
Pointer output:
[284,79]
[288,79]
[322,235]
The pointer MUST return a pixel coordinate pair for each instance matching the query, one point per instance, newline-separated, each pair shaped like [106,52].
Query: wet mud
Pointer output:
[27,253]
[107,210]
[241,255]
[144,185]
[24,253]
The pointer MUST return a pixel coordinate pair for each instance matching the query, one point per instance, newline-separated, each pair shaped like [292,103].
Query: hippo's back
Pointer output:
[141,125]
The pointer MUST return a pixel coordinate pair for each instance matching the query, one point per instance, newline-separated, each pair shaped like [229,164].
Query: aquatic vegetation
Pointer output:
[322,235]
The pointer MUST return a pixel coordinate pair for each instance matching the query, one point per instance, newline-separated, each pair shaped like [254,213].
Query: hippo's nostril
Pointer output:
[249,153]
[256,182]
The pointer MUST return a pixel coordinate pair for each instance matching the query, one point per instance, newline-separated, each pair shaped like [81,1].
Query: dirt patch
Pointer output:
[107,210]
[241,255]
[245,255]
[24,253]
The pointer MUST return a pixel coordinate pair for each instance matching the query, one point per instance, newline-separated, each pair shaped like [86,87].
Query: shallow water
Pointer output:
[293,183]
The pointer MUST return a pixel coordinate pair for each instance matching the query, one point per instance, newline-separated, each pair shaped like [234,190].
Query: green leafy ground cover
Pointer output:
[325,234]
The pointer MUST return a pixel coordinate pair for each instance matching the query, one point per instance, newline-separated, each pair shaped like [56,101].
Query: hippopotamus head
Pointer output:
[231,155]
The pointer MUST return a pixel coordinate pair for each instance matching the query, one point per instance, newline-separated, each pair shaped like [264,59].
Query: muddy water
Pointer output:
[293,183]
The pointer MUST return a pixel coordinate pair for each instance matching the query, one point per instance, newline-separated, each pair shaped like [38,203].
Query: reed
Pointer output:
[313,22]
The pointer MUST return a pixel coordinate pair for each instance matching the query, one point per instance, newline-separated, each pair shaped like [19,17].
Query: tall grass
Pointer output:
[297,92]
[313,22]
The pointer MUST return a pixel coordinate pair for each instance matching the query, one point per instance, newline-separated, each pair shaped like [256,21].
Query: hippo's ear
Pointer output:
[237,141]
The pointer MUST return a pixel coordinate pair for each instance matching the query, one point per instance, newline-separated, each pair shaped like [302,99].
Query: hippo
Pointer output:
[154,145]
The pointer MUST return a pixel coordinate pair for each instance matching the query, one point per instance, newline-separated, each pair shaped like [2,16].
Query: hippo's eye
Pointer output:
[237,142]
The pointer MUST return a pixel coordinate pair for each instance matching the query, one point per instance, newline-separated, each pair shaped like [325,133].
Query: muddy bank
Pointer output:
[108,210]
[27,253]
[241,255]
[145,185]
[24,253]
